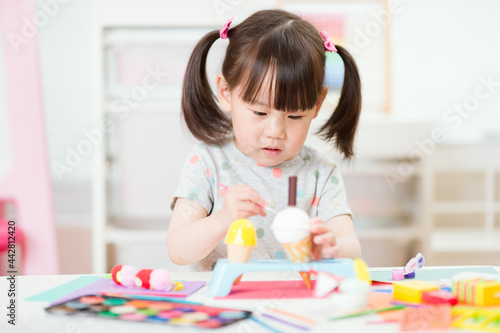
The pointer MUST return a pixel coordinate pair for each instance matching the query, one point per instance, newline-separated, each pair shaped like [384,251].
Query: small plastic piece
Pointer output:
[398,274]
[410,275]
[420,260]
[411,266]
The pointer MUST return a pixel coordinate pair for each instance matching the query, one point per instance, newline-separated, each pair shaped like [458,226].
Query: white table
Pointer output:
[31,317]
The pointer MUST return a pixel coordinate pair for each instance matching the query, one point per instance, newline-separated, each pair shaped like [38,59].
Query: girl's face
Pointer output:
[268,136]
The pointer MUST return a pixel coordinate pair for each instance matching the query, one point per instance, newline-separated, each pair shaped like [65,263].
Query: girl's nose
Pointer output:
[276,128]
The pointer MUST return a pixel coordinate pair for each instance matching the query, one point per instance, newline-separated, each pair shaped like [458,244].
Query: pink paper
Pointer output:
[271,289]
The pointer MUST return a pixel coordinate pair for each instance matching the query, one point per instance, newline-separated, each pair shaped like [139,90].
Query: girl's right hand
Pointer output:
[241,202]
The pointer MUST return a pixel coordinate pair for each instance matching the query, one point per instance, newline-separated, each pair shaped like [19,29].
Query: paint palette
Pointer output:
[159,312]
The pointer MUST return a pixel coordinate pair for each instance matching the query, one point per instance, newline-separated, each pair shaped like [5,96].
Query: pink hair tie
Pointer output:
[225,28]
[329,45]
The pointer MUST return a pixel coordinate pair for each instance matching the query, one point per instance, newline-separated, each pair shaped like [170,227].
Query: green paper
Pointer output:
[433,274]
[64,289]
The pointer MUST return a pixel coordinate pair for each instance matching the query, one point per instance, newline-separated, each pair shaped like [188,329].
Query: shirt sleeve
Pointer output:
[333,197]
[196,183]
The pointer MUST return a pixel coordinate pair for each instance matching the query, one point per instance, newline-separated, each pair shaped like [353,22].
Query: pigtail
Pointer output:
[342,125]
[205,120]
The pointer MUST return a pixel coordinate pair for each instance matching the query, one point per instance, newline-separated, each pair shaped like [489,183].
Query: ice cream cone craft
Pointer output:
[240,239]
[291,228]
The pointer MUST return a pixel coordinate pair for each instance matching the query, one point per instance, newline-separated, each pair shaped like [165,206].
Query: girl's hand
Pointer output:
[324,242]
[241,202]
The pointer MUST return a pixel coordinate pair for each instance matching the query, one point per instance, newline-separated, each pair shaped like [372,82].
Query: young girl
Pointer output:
[270,89]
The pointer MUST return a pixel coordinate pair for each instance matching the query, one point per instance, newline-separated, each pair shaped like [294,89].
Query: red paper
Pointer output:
[271,289]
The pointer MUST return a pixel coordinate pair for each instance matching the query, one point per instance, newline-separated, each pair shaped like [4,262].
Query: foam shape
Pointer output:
[431,317]
[325,283]
[411,291]
[362,271]
[300,251]
[124,275]
[354,285]
[349,302]
[291,225]
[241,232]
[439,297]
[238,253]
[479,291]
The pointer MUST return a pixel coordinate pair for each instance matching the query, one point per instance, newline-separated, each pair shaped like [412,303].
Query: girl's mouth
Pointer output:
[271,151]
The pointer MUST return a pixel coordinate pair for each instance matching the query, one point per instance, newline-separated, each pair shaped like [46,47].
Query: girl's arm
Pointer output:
[192,235]
[335,238]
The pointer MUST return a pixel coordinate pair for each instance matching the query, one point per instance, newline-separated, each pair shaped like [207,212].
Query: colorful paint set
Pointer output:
[159,312]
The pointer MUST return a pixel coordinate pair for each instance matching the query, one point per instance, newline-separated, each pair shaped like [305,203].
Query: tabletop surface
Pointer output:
[31,317]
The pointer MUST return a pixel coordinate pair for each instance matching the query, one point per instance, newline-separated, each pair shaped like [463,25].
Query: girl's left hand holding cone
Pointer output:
[324,242]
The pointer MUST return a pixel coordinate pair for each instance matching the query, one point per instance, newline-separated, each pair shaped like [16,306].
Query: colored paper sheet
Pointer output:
[64,289]
[189,288]
[87,286]
[271,290]
[434,274]
[90,289]
[381,301]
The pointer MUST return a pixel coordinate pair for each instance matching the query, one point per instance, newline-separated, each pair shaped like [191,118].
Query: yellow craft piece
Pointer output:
[411,291]
[488,293]
[361,269]
[241,232]
[478,292]
[476,318]
[178,285]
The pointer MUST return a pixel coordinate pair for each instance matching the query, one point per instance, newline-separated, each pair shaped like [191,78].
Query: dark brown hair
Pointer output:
[292,51]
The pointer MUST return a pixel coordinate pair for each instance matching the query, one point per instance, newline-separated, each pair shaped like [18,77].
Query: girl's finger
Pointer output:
[250,207]
[330,252]
[325,239]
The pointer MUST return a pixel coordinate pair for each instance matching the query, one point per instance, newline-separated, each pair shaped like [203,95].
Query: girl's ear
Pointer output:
[223,94]
[320,101]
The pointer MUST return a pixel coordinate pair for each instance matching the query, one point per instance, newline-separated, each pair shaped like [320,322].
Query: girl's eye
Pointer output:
[260,114]
[295,117]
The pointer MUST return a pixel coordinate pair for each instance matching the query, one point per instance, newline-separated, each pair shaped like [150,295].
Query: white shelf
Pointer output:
[465,240]
[397,234]
[119,235]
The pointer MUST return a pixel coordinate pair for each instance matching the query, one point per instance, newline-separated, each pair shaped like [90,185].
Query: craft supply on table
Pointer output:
[240,240]
[132,309]
[291,228]
[352,295]
[369,312]
[411,291]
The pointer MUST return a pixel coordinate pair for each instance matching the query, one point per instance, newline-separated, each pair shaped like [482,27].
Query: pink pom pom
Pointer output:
[160,280]
[127,275]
